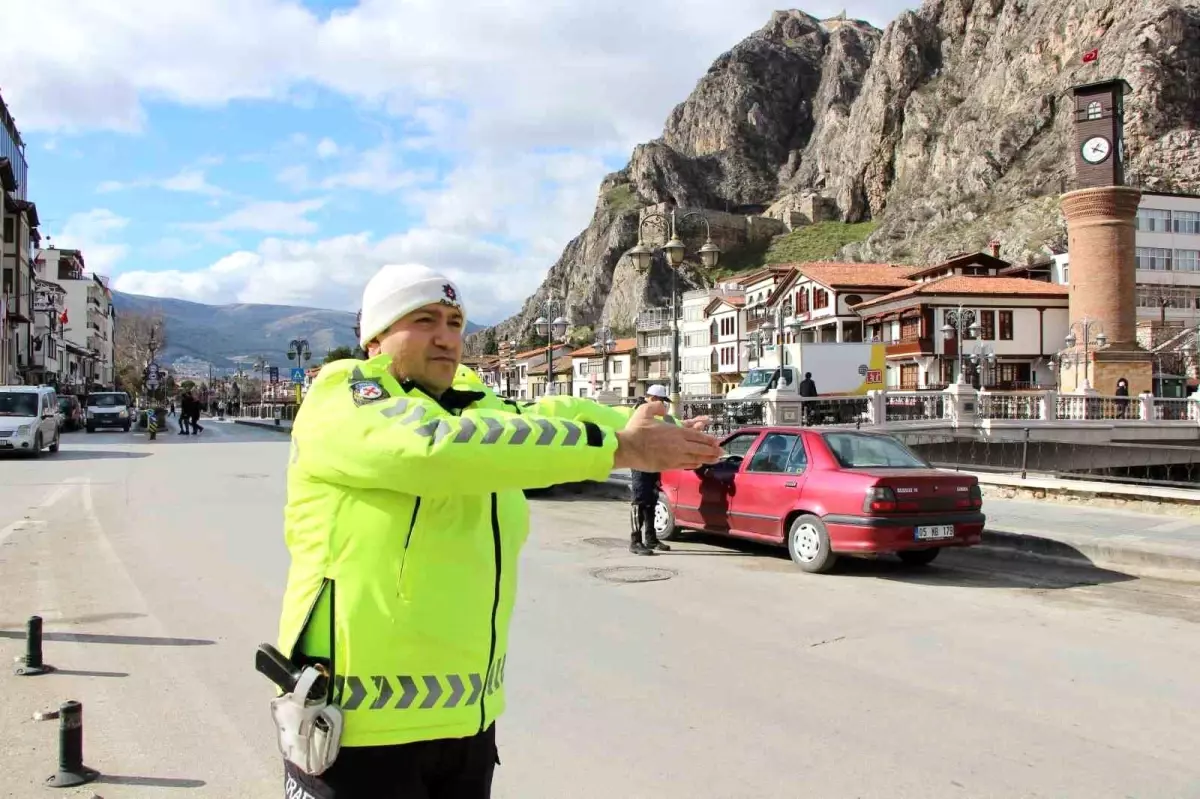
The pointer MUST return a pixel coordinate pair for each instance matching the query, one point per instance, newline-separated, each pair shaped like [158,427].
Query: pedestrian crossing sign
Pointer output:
[298,375]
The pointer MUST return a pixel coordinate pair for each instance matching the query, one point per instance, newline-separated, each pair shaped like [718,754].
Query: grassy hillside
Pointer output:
[818,242]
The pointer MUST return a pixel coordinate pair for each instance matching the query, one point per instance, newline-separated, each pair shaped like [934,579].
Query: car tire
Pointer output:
[126,428]
[37,446]
[91,429]
[666,530]
[918,557]
[808,545]
[54,445]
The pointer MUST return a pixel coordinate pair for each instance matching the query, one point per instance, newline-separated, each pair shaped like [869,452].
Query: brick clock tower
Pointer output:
[1100,213]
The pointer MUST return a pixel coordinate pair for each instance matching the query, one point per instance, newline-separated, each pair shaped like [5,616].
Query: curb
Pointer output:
[1139,561]
[262,426]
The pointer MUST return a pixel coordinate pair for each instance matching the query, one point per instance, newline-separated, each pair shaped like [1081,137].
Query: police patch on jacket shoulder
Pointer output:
[367,391]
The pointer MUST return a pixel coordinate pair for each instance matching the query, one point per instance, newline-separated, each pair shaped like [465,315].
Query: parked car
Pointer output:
[29,419]
[71,413]
[823,493]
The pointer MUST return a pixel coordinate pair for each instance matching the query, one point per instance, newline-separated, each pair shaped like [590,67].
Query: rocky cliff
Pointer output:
[950,128]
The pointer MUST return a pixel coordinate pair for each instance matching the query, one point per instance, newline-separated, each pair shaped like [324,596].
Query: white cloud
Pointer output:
[272,216]
[327,148]
[188,181]
[331,272]
[92,232]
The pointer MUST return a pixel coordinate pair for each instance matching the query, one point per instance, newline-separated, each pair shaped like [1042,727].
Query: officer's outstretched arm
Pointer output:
[583,410]
[409,443]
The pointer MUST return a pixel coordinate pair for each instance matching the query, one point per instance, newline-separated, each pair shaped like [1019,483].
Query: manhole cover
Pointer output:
[633,574]
[608,543]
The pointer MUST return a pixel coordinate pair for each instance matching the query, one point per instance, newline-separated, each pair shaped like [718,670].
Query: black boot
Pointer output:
[635,536]
[651,537]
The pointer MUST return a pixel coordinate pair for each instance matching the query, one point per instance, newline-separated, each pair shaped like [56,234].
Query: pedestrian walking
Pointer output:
[405,520]
[644,488]
[184,412]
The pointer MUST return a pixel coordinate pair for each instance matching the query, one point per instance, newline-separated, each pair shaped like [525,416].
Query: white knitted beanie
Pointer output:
[397,290]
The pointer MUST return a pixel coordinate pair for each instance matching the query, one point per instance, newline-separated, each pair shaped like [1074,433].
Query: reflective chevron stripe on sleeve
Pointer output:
[489,430]
[433,691]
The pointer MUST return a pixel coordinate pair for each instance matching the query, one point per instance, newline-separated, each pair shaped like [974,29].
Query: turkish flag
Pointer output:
[63,318]
[1091,55]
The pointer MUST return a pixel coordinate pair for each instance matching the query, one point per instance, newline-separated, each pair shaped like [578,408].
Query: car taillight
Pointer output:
[976,496]
[879,499]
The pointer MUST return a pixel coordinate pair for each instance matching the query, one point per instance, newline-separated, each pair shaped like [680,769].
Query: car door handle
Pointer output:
[790,484]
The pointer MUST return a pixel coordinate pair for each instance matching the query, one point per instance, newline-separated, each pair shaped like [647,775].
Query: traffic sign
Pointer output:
[298,375]
[274,374]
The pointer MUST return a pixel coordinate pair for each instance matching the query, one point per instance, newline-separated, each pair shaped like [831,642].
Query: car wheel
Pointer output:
[664,520]
[91,429]
[918,557]
[126,428]
[37,446]
[54,444]
[808,544]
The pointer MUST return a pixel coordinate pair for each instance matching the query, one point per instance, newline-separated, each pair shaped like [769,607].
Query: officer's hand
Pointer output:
[649,445]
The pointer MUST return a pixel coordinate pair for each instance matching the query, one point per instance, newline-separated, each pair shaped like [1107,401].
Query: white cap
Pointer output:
[397,290]
[657,391]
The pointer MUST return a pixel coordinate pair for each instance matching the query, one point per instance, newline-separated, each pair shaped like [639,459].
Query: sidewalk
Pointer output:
[1152,532]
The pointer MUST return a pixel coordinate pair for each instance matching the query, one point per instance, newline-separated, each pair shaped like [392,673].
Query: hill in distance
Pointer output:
[226,335]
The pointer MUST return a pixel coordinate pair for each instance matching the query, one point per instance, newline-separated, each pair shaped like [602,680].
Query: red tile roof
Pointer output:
[624,345]
[965,284]
[562,366]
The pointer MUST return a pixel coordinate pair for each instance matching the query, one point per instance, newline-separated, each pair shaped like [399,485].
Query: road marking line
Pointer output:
[51,499]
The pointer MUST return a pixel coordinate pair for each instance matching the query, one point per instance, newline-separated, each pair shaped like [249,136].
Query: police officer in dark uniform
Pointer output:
[645,487]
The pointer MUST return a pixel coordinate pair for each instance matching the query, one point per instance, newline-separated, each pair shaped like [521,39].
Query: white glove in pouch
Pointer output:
[310,732]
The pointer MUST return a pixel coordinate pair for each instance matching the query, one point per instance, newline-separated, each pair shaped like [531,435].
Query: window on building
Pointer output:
[1155,258]
[910,376]
[1187,261]
[1187,222]
[1152,220]
[10,234]
[617,367]
[910,328]
[1006,325]
[987,325]
[1094,110]
[820,299]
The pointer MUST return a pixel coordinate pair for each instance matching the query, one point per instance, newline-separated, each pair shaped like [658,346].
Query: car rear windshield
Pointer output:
[18,403]
[862,451]
[107,400]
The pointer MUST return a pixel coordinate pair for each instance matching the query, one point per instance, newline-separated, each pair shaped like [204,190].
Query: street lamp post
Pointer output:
[554,332]
[604,345]
[299,351]
[766,332]
[956,321]
[983,356]
[675,251]
[1086,327]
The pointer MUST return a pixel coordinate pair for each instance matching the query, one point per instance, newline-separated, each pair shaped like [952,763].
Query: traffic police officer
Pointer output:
[644,487]
[405,519]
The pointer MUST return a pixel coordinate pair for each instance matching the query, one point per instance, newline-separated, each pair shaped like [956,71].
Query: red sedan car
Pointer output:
[825,492]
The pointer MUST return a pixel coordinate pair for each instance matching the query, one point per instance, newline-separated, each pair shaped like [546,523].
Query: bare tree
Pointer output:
[139,339]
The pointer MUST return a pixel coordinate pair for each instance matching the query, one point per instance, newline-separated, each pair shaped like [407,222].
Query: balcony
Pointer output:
[95,343]
[913,346]
[654,371]
[654,319]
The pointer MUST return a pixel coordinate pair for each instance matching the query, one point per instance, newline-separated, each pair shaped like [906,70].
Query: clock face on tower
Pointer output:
[1096,149]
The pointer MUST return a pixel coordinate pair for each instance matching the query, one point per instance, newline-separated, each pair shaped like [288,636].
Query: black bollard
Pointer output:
[71,771]
[32,664]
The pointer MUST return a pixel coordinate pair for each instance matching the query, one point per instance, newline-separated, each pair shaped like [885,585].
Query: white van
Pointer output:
[108,409]
[29,419]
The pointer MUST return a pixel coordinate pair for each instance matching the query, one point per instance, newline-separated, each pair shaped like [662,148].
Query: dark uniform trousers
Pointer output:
[453,768]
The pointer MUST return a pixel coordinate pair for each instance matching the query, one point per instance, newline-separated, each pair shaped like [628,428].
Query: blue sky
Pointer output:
[273,151]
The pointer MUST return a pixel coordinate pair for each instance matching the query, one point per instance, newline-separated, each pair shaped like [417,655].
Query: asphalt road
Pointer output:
[159,566]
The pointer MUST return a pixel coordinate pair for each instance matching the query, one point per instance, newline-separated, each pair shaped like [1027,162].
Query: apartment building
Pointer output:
[696,376]
[559,384]
[517,377]
[89,323]
[594,373]
[653,331]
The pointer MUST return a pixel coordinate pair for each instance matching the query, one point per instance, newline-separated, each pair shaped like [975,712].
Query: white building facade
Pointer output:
[594,374]
[696,377]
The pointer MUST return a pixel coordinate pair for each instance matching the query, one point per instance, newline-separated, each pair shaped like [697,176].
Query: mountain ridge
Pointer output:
[226,335]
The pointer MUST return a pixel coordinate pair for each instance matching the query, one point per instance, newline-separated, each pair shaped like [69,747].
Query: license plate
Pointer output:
[935,532]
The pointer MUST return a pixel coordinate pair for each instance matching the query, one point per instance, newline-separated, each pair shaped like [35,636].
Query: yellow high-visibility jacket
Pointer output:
[405,518]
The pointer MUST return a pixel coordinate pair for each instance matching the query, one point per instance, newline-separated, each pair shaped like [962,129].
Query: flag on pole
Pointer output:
[1091,55]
